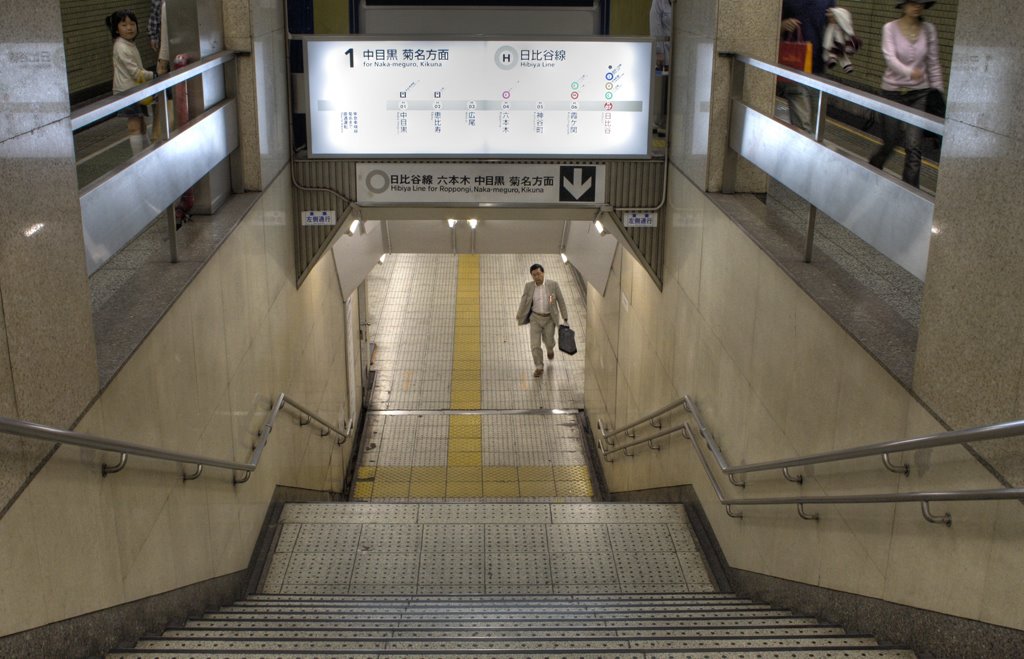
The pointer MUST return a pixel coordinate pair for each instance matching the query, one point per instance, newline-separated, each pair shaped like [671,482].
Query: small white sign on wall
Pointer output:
[319,218]
[635,219]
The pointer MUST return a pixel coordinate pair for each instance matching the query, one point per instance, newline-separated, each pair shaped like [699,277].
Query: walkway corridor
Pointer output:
[455,412]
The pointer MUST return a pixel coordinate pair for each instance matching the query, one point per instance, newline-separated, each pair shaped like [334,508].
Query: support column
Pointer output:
[970,355]
[47,349]
[700,83]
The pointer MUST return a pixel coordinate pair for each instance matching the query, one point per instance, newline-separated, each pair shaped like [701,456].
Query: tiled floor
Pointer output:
[485,548]
[456,412]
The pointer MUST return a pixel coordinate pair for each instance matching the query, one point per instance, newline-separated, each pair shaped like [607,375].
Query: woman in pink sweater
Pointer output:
[911,50]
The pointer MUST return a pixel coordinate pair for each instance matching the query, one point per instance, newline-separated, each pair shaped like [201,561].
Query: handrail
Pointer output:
[903,113]
[981,433]
[608,435]
[107,106]
[924,498]
[30,430]
[977,434]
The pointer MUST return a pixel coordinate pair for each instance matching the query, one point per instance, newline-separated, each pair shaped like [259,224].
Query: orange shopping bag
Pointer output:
[795,52]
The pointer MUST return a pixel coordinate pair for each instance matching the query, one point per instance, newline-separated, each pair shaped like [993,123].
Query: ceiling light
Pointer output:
[599,227]
[565,259]
[353,227]
[452,222]
[472,222]
[382,257]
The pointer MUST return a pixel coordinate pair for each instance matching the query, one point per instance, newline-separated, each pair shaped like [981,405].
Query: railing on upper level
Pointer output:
[28,430]
[882,449]
[888,214]
[114,208]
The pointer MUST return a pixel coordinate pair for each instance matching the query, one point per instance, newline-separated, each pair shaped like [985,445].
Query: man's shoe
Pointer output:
[538,372]
[551,354]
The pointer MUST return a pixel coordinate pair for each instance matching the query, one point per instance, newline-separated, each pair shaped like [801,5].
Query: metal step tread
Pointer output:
[776,653]
[536,644]
[501,632]
[580,608]
[328,625]
[425,601]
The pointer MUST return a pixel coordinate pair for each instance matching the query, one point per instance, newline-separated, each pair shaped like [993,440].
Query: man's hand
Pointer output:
[790,24]
[155,45]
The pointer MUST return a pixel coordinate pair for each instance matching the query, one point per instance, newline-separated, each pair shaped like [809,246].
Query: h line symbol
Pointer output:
[506,57]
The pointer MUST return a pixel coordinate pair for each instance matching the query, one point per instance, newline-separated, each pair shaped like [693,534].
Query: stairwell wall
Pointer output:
[201,382]
[775,377]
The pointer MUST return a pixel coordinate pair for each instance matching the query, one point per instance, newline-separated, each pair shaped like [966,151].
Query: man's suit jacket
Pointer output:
[526,303]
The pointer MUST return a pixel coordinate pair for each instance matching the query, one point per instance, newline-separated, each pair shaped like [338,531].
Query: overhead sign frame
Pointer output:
[458,97]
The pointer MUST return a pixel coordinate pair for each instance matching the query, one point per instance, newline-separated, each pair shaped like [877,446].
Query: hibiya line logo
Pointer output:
[509,57]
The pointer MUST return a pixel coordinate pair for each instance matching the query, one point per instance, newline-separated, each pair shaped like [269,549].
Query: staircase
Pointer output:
[495,580]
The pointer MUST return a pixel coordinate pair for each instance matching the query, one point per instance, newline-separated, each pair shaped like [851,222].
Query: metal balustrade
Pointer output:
[29,430]
[880,449]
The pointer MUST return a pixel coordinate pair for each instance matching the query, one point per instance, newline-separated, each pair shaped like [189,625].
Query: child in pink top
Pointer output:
[911,50]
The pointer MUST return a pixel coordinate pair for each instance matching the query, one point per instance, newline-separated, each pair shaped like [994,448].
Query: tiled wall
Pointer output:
[776,378]
[202,382]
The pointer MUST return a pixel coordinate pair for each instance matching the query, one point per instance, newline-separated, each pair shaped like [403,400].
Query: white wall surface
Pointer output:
[202,382]
[775,377]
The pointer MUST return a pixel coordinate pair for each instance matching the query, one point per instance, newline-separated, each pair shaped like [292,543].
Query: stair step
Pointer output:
[763,624]
[487,600]
[538,608]
[635,617]
[788,653]
[499,632]
[523,644]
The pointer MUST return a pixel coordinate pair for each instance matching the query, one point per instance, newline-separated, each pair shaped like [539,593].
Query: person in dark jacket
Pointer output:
[806,18]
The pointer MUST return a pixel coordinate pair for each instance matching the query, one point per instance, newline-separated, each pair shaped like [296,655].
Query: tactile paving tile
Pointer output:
[386,569]
[395,538]
[579,538]
[452,569]
[649,568]
[583,568]
[516,538]
[327,538]
[319,569]
[628,538]
[517,568]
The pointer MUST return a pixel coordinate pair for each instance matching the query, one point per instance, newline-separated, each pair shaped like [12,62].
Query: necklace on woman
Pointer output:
[910,30]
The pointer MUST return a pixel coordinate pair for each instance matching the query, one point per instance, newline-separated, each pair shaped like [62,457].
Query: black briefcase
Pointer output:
[566,340]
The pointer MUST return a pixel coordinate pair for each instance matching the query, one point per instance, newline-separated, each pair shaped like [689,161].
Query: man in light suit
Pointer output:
[536,308]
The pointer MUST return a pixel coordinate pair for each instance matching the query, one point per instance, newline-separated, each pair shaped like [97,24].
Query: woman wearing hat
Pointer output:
[911,49]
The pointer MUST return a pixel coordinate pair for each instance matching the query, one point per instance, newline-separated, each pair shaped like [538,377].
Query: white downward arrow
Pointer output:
[577,187]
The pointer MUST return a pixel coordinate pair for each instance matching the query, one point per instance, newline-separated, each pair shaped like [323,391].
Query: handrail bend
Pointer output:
[29,430]
[981,433]
[606,435]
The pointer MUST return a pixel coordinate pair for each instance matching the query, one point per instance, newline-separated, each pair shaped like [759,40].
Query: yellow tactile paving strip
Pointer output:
[464,474]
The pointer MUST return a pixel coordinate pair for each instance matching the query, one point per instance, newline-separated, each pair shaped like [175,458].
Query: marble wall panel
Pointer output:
[986,82]
[33,76]
[807,387]
[144,531]
[975,277]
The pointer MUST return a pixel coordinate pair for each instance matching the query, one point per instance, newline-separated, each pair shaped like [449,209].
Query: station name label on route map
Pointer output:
[484,97]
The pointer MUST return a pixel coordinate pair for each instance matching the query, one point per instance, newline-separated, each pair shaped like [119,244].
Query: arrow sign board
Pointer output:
[578,183]
[479,183]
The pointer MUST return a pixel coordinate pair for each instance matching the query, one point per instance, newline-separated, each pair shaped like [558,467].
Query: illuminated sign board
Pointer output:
[471,98]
